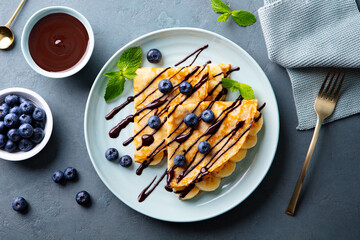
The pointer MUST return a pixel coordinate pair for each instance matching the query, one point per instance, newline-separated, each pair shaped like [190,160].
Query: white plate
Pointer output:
[174,44]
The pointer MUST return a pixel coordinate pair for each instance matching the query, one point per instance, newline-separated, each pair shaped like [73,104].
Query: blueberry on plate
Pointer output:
[83,198]
[16,110]
[180,160]
[70,174]
[27,107]
[185,88]
[39,124]
[12,100]
[24,118]
[112,154]
[191,120]
[204,147]
[14,135]
[38,135]
[154,122]
[10,146]
[125,161]
[11,120]
[57,176]
[19,204]
[26,130]
[2,140]
[38,114]
[208,116]
[154,56]
[4,110]
[165,86]
[3,128]
[25,145]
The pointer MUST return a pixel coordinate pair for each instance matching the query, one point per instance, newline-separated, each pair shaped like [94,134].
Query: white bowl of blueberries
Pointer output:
[26,124]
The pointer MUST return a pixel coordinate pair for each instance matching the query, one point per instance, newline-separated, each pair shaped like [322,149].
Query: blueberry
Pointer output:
[38,135]
[154,56]
[26,130]
[25,145]
[185,88]
[58,176]
[165,86]
[19,204]
[208,116]
[191,120]
[3,128]
[70,174]
[24,118]
[39,124]
[27,107]
[12,100]
[14,135]
[83,198]
[11,120]
[38,114]
[16,110]
[204,147]
[180,160]
[111,154]
[154,122]
[10,146]
[21,100]
[4,110]
[2,140]
[125,161]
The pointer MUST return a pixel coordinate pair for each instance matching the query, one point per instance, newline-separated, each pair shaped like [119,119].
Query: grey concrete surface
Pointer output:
[329,207]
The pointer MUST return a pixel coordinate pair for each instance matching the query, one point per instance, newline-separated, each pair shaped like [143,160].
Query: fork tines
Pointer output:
[334,73]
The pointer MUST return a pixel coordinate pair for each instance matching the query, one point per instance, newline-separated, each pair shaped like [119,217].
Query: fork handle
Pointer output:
[294,198]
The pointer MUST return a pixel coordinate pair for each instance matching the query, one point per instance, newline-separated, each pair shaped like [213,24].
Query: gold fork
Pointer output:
[324,106]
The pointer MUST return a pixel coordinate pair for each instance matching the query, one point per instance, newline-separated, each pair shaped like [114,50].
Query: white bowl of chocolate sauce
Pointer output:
[57,41]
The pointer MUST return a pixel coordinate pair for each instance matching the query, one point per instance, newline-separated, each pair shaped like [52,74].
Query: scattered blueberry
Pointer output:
[191,120]
[39,124]
[154,56]
[83,198]
[24,118]
[25,145]
[14,135]
[27,107]
[11,120]
[16,110]
[70,174]
[38,135]
[154,122]
[111,154]
[19,204]
[180,160]
[58,176]
[185,88]
[12,100]
[4,110]
[208,116]
[38,114]
[26,130]
[204,147]
[2,140]
[10,146]
[125,161]
[165,86]
[3,128]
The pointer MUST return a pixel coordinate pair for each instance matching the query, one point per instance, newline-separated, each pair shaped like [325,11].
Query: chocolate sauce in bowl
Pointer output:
[57,42]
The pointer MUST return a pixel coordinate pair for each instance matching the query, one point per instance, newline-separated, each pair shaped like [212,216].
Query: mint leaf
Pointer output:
[130,75]
[130,60]
[243,18]
[245,90]
[223,17]
[115,86]
[219,6]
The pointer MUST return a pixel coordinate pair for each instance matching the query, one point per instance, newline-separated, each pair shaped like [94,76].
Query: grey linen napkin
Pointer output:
[307,37]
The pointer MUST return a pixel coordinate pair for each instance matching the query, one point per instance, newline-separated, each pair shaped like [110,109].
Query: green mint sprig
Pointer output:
[245,90]
[241,17]
[128,63]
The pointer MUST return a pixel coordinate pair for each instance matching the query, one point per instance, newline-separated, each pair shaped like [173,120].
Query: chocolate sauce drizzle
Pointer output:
[145,193]
[197,52]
